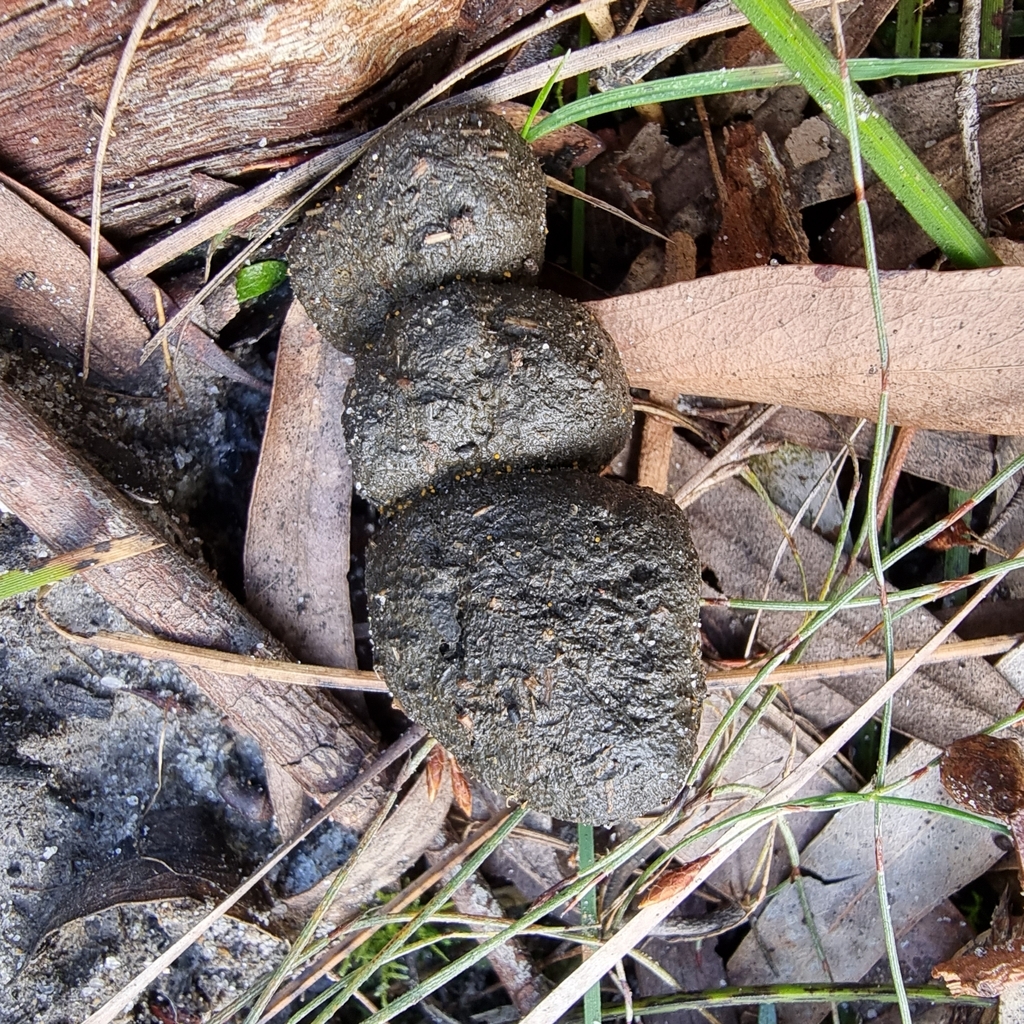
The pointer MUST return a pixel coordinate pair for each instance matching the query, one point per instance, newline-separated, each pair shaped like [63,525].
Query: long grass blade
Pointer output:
[709,83]
[894,162]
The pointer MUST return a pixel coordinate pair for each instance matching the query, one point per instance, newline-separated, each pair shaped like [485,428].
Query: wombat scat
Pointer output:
[483,375]
[443,196]
[544,629]
[542,622]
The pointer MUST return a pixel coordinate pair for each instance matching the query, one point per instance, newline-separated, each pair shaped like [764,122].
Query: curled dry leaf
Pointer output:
[958,535]
[462,796]
[297,540]
[986,774]
[434,771]
[675,881]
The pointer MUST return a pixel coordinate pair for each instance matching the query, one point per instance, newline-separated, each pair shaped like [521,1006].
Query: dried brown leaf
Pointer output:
[462,796]
[737,539]
[572,146]
[674,881]
[898,239]
[927,855]
[433,771]
[770,335]
[297,542]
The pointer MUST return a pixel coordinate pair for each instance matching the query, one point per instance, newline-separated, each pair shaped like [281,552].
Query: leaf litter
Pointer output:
[738,538]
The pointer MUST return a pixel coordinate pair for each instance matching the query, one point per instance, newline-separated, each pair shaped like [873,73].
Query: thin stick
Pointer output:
[985,647]
[566,189]
[709,142]
[120,76]
[897,457]
[120,1002]
[241,666]
[969,118]
[682,497]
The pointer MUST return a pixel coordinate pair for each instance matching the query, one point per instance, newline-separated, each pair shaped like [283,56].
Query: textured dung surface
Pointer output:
[545,629]
[477,375]
[442,195]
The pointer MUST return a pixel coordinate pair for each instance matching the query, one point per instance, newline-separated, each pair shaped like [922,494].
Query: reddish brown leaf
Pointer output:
[956,536]
[461,793]
[674,881]
[434,771]
[572,145]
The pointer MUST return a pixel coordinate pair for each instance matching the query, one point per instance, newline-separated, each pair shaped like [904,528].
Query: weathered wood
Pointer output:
[218,87]
[313,744]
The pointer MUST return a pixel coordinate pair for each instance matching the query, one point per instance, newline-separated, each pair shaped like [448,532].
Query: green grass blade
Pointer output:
[542,96]
[909,23]
[588,916]
[709,83]
[892,159]
[18,581]
[957,559]
[991,43]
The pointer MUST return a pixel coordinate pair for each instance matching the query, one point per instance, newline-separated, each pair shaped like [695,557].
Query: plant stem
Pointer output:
[588,916]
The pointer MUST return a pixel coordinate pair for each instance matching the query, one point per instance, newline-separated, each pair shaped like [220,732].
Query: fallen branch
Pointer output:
[310,744]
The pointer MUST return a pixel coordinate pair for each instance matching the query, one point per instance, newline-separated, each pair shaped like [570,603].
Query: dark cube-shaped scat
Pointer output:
[477,375]
[442,195]
[544,627]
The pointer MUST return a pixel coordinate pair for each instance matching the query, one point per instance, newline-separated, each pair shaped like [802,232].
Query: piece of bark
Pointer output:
[898,239]
[44,282]
[214,88]
[805,336]
[656,447]
[297,540]
[310,744]
[679,264]
[44,288]
[760,218]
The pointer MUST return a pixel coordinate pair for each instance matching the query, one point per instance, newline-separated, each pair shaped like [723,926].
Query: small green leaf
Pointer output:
[542,97]
[257,278]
